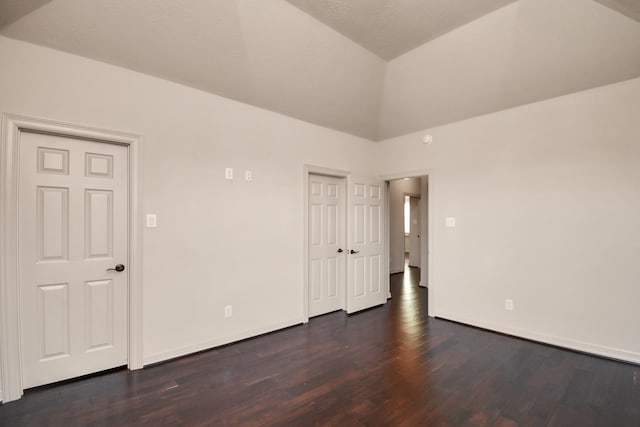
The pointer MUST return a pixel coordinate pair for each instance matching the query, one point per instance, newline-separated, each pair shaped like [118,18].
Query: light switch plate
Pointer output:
[248,175]
[450,222]
[152,221]
[228,173]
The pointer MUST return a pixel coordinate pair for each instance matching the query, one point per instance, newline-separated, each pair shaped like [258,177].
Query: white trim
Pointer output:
[430,256]
[10,367]
[206,345]
[12,125]
[319,170]
[135,254]
[386,257]
[421,212]
[425,209]
[427,245]
[568,343]
[409,174]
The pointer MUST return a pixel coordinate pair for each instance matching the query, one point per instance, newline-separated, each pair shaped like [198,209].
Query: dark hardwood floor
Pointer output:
[388,366]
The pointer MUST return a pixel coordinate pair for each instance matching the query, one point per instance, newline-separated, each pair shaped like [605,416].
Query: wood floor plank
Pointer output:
[388,366]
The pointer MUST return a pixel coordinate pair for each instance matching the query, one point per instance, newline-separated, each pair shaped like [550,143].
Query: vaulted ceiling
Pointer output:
[391,28]
[372,68]
[12,10]
[630,8]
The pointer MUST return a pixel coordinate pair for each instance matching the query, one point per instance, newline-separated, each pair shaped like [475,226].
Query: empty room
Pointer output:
[320,212]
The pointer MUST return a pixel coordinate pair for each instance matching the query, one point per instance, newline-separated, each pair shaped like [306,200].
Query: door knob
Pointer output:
[118,267]
[339,250]
[353,252]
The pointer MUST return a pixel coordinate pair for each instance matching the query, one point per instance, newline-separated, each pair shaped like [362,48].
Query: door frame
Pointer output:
[420,209]
[427,208]
[10,349]
[336,173]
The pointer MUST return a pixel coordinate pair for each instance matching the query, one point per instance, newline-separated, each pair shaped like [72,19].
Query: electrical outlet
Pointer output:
[152,221]
[508,304]
[228,310]
[228,174]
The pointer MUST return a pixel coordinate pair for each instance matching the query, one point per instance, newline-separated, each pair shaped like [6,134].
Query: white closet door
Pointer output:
[327,251]
[365,283]
[73,228]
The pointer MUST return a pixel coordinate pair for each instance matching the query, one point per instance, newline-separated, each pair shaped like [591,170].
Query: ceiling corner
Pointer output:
[12,10]
[630,8]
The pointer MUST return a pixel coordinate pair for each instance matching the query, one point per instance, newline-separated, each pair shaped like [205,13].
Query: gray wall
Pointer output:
[547,201]
[218,242]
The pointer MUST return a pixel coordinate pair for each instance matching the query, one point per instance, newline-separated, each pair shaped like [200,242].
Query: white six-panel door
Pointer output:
[73,210]
[365,283]
[327,254]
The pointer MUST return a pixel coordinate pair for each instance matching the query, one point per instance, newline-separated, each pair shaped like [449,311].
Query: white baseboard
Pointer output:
[568,343]
[1,395]
[422,284]
[216,342]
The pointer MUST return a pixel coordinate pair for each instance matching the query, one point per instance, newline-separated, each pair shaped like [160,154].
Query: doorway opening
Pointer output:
[408,231]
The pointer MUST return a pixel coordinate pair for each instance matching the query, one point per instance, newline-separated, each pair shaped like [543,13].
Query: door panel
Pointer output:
[374,274]
[99,305]
[327,234]
[98,223]
[365,272]
[359,277]
[52,210]
[54,318]
[374,224]
[332,277]
[73,213]
[359,224]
